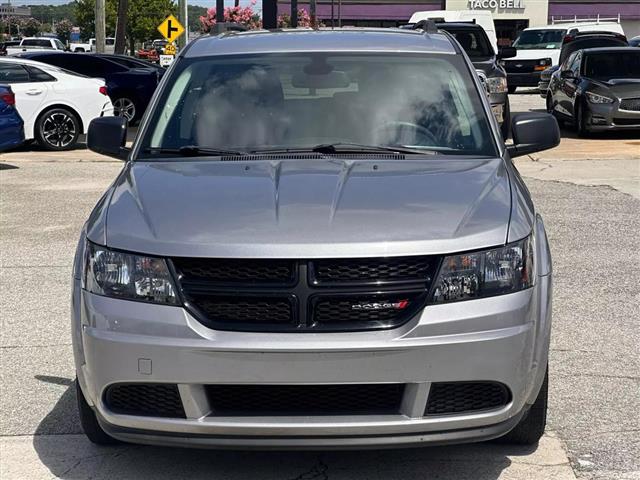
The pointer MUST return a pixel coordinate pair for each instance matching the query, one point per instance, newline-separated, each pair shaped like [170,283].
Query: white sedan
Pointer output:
[55,104]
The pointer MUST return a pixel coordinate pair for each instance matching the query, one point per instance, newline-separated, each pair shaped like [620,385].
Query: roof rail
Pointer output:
[590,19]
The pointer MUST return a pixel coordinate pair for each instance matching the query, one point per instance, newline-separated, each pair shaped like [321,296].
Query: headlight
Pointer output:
[545,62]
[497,84]
[595,98]
[127,276]
[485,274]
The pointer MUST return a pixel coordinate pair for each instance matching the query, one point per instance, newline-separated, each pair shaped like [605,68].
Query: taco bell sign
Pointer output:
[495,4]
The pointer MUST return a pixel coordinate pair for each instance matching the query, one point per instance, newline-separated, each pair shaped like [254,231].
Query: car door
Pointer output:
[570,85]
[30,94]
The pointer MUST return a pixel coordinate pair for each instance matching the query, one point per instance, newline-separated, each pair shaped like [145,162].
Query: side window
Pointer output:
[13,73]
[38,75]
[567,63]
[59,44]
[575,65]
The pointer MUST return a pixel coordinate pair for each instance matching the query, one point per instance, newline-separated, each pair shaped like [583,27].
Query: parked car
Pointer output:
[90,46]
[476,44]
[7,44]
[635,41]
[148,52]
[577,41]
[538,48]
[130,89]
[598,89]
[132,62]
[36,44]
[56,105]
[255,277]
[11,124]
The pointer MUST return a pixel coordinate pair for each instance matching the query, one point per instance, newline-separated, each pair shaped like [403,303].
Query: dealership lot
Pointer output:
[589,194]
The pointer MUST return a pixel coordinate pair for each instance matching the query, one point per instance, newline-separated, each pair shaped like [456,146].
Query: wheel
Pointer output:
[505,128]
[125,107]
[530,428]
[89,422]
[512,89]
[57,129]
[581,120]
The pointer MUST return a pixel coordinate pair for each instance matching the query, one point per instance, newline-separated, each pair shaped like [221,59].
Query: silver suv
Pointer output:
[318,239]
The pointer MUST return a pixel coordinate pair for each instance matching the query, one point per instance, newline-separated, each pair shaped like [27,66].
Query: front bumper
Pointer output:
[607,117]
[528,79]
[503,339]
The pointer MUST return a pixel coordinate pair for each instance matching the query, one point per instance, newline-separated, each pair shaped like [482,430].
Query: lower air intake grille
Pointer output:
[461,397]
[152,400]
[305,399]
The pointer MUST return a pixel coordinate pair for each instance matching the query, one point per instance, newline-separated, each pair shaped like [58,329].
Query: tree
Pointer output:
[30,27]
[85,14]
[63,30]
[145,27]
[304,19]
[242,15]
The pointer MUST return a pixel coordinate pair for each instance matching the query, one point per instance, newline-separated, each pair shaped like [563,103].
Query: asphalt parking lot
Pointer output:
[589,194]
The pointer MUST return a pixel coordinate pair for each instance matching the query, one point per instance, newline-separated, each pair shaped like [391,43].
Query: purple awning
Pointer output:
[627,11]
[396,11]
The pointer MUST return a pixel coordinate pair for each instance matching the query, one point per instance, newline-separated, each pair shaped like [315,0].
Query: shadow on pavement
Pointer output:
[7,166]
[74,457]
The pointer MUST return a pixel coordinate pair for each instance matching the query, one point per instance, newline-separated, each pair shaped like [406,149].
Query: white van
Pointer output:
[481,17]
[538,48]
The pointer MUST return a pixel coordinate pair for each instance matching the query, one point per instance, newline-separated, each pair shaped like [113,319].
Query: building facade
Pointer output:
[510,16]
[9,10]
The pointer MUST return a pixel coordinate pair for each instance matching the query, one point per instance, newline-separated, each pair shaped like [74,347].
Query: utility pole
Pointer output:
[183,17]
[312,13]
[121,27]
[294,13]
[100,26]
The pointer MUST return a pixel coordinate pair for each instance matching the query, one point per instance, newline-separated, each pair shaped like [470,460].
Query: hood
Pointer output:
[537,54]
[622,87]
[308,208]
[489,66]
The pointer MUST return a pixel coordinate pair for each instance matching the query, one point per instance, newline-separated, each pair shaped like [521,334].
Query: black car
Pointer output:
[130,89]
[474,41]
[598,89]
[132,62]
[575,41]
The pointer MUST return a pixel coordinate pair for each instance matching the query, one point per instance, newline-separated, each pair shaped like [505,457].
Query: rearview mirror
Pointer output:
[108,136]
[533,132]
[507,52]
[333,79]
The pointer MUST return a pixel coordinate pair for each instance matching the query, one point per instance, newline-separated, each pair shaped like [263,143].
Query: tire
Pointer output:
[580,120]
[531,427]
[57,129]
[89,422]
[505,128]
[125,107]
[511,89]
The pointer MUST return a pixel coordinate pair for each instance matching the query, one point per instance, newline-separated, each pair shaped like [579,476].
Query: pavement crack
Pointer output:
[318,472]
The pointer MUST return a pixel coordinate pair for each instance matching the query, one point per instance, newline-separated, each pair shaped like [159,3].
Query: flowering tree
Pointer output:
[237,14]
[63,30]
[304,19]
[30,27]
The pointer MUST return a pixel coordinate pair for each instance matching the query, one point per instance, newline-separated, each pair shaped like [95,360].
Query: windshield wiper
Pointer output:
[345,147]
[194,151]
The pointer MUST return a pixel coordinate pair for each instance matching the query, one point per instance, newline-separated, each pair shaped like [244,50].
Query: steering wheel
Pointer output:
[421,133]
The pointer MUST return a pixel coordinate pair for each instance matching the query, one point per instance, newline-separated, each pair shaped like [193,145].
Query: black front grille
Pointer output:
[246,309]
[520,66]
[461,397]
[630,104]
[146,399]
[347,399]
[305,295]
[231,271]
[368,271]
[627,122]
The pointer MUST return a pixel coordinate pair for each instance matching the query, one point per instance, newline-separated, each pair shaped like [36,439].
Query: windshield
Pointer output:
[608,65]
[475,43]
[539,39]
[298,101]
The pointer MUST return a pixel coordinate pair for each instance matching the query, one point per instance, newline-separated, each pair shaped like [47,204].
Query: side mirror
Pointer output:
[567,74]
[533,132]
[507,52]
[108,136]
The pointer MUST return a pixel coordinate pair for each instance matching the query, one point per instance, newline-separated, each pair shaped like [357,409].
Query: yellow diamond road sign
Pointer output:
[171,28]
[170,49]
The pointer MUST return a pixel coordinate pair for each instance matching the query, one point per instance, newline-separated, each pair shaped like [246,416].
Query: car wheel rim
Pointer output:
[59,129]
[123,107]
